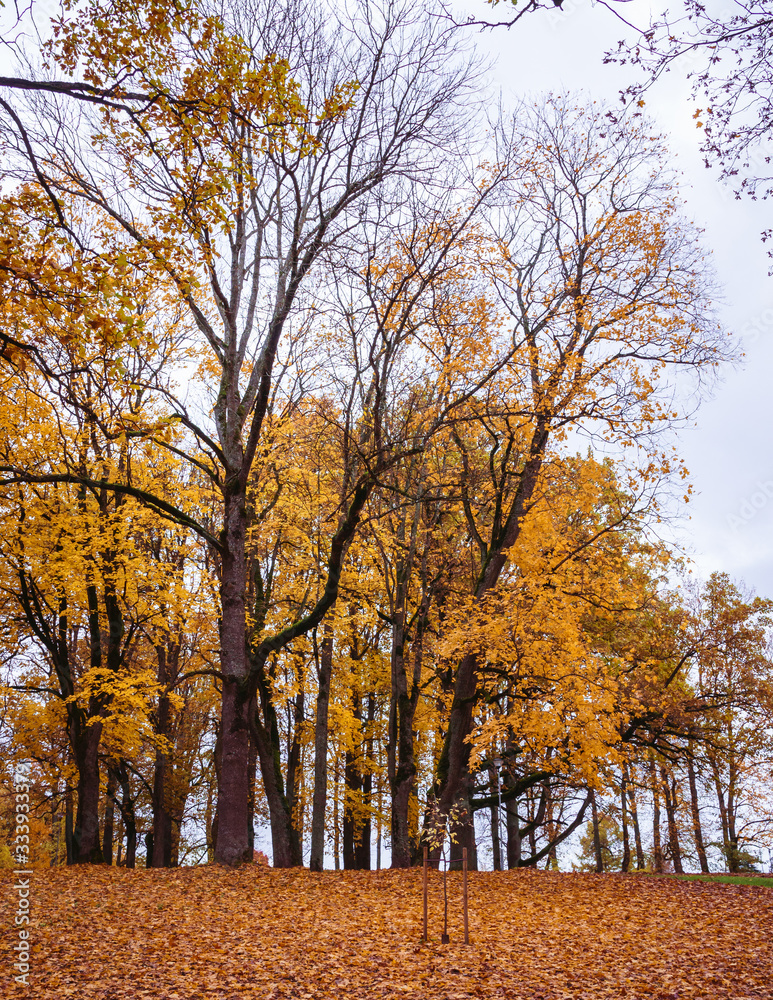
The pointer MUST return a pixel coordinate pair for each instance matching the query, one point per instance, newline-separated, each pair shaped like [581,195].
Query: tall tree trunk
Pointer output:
[353,793]
[107,837]
[657,850]
[513,835]
[596,833]
[495,780]
[640,862]
[730,859]
[86,846]
[286,846]
[625,863]
[319,803]
[232,843]
[69,831]
[697,830]
[336,822]
[162,792]
[550,829]
[733,852]
[294,770]
[669,795]
[128,815]
[362,847]
[252,768]
[401,761]
[209,822]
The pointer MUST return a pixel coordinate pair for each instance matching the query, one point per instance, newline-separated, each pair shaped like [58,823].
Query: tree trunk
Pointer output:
[69,832]
[625,863]
[284,836]
[352,793]
[596,833]
[550,829]
[657,850]
[732,854]
[107,838]
[640,863]
[86,846]
[362,846]
[162,817]
[294,770]
[209,822]
[669,795]
[232,843]
[495,820]
[319,803]
[336,822]
[697,831]
[513,835]
[401,761]
[128,815]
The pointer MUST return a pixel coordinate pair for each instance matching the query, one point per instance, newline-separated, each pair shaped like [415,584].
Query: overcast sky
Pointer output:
[728,525]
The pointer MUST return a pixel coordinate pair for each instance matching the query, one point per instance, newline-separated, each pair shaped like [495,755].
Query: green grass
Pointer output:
[765,881]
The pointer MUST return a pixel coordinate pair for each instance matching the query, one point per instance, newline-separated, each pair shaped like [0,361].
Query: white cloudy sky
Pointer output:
[728,525]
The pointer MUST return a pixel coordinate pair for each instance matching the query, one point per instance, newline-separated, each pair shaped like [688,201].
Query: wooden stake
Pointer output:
[464,895]
[444,938]
[425,896]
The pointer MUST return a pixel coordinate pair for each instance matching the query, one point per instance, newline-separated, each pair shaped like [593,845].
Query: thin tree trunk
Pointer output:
[401,761]
[552,861]
[209,823]
[107,838]
[352,792]
[362,847]
[657,850]
[640,862]
[513,835]
[336,824]
[723,815]
[128,815]
[294,769]
[68,824]
[319,803]
[284,837]
[596,833]
[162,792]
[733,854]
[625,863]
[252,767]
[495,820]
[669,795]
[697,831]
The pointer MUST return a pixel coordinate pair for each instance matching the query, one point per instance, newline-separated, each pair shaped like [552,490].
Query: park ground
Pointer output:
[193,933]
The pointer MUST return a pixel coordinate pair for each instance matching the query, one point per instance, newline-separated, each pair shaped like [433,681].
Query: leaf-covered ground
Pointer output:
[256,933]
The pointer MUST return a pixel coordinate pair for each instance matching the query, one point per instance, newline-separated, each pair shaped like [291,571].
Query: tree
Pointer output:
[734,677]
[605,288]
[731,67]
[243,177]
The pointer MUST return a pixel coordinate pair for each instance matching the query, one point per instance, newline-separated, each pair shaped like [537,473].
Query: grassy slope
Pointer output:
[256,933]
[762,881]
